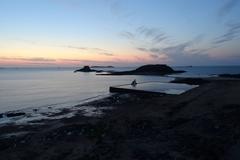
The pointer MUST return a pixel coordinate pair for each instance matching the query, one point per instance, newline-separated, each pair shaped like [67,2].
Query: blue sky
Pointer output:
[121,32]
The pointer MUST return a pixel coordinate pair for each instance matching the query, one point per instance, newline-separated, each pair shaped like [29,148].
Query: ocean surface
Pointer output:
[22,88]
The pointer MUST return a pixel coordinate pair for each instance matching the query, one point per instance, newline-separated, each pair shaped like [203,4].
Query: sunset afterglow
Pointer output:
[119,32]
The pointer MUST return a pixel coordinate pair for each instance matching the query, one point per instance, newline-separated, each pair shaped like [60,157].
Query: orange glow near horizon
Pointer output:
[14,53]
[63,57]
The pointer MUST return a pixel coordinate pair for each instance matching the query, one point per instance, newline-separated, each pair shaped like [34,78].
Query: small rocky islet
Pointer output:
[85,69]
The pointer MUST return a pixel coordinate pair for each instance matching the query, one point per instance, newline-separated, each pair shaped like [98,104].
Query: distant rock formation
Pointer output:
[152,69]
[85,69]
[102,67]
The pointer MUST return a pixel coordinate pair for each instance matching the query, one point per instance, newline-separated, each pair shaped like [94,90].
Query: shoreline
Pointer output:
[201,123]
[57,105]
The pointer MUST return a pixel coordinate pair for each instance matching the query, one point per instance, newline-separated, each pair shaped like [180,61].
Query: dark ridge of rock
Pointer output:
[102,66]
[151,69]
[229,75]
[85,69]
[15,114]
[191,81]
[154,69]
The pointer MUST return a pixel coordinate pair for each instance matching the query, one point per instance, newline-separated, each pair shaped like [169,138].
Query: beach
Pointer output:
[202,123]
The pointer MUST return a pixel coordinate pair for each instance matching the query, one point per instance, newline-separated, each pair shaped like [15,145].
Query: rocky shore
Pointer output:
[200,124]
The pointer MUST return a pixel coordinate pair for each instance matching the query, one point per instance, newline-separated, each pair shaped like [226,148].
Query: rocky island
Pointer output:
[151,69]
[85,69]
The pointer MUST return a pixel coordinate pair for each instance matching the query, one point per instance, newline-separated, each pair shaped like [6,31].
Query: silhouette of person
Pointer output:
[134,83]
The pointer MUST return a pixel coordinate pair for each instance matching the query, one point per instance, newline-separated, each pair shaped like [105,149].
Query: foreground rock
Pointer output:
[156,69]
[201,124]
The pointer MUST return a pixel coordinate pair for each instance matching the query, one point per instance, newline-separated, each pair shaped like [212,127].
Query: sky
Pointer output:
[59,33]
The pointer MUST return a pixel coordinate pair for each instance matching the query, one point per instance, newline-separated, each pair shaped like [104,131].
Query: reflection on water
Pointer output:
[23,88]
[168,88]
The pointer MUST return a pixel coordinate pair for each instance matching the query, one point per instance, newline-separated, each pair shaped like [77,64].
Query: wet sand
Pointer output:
[202,124]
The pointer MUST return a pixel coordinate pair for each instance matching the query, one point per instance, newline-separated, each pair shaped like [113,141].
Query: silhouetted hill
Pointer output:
[151,69]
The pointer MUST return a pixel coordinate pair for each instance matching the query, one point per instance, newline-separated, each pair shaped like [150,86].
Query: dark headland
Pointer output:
[200,124]
[151,69]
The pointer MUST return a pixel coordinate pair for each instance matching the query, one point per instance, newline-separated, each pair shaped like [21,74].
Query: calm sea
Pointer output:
[22,88]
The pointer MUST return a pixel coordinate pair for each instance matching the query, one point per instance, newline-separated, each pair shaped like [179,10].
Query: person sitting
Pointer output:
[134,83]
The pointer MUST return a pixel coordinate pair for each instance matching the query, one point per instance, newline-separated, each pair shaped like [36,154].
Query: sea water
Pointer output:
[50,87]
[22,88]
